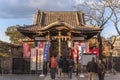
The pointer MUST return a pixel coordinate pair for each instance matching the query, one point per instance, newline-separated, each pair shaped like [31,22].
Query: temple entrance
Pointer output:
[64,48]
[54,49]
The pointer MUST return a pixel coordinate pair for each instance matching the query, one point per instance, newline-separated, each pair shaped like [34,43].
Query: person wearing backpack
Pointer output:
[70,68]
[65,65]
[53,67]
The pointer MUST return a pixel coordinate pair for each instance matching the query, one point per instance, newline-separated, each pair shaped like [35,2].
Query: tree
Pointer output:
[98,13]
[93,43]
[116,16]
[14,34]
[4,49]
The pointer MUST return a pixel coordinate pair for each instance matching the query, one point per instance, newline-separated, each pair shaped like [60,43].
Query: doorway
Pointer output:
[63,48]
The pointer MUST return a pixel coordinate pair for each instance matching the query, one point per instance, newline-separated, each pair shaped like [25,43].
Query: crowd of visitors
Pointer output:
[61,66]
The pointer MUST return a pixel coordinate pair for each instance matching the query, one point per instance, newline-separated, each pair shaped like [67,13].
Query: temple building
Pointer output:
[60,29]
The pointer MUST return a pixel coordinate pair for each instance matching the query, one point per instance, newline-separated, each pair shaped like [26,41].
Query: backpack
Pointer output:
[71,63]
[53,63]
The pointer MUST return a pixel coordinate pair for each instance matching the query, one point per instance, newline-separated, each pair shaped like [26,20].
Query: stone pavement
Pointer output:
[60,78]
[112,76]
[20,77]
[109,76]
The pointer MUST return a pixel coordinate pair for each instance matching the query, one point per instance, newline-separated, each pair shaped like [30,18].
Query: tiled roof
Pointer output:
[46,20]
[74,18]
[43,19]
[87,28]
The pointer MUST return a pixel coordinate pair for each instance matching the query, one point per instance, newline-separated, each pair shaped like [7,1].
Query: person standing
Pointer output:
[101,70]
[92,69]
[65,67]
[53,67]
[60,60]
[70,68]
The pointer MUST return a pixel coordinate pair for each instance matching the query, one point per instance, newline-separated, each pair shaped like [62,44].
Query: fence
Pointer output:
[19,66]
[116,63]
[22,65]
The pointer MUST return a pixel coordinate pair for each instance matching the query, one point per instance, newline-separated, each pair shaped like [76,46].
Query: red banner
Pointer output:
[26,50]
[75,55]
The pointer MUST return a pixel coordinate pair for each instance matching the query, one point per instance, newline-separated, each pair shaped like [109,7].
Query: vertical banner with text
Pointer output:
[40,55]
[46,52]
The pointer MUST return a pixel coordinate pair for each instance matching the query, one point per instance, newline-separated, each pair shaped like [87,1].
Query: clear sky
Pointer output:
[19,12]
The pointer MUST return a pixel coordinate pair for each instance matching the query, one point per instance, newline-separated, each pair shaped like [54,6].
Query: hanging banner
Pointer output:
[75,55]
[79,52]
[37,54]
[40,60]
[26,50]
[83,50]
[33,59]
[46,52]
[79,49]
[75,51]
[35,43]
[40,45]
[40,55]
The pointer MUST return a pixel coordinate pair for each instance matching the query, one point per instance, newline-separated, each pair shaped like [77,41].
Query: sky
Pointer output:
[20,12]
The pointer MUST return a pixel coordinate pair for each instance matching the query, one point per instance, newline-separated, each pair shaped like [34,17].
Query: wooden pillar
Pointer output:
[59,43]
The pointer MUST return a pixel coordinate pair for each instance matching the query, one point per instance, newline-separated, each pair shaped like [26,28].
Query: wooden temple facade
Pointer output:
[60,29]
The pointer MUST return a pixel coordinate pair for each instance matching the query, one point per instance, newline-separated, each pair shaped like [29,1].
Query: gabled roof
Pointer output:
[47,20]
[44,18]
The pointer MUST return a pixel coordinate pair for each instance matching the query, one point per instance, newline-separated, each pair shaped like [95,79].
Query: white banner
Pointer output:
[40,59]
[33,59]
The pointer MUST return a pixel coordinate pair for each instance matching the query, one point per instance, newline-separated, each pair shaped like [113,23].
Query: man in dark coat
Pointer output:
[92,69]
[65,65]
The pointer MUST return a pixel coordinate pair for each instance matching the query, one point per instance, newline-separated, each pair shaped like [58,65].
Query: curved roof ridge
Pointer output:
[57,23]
